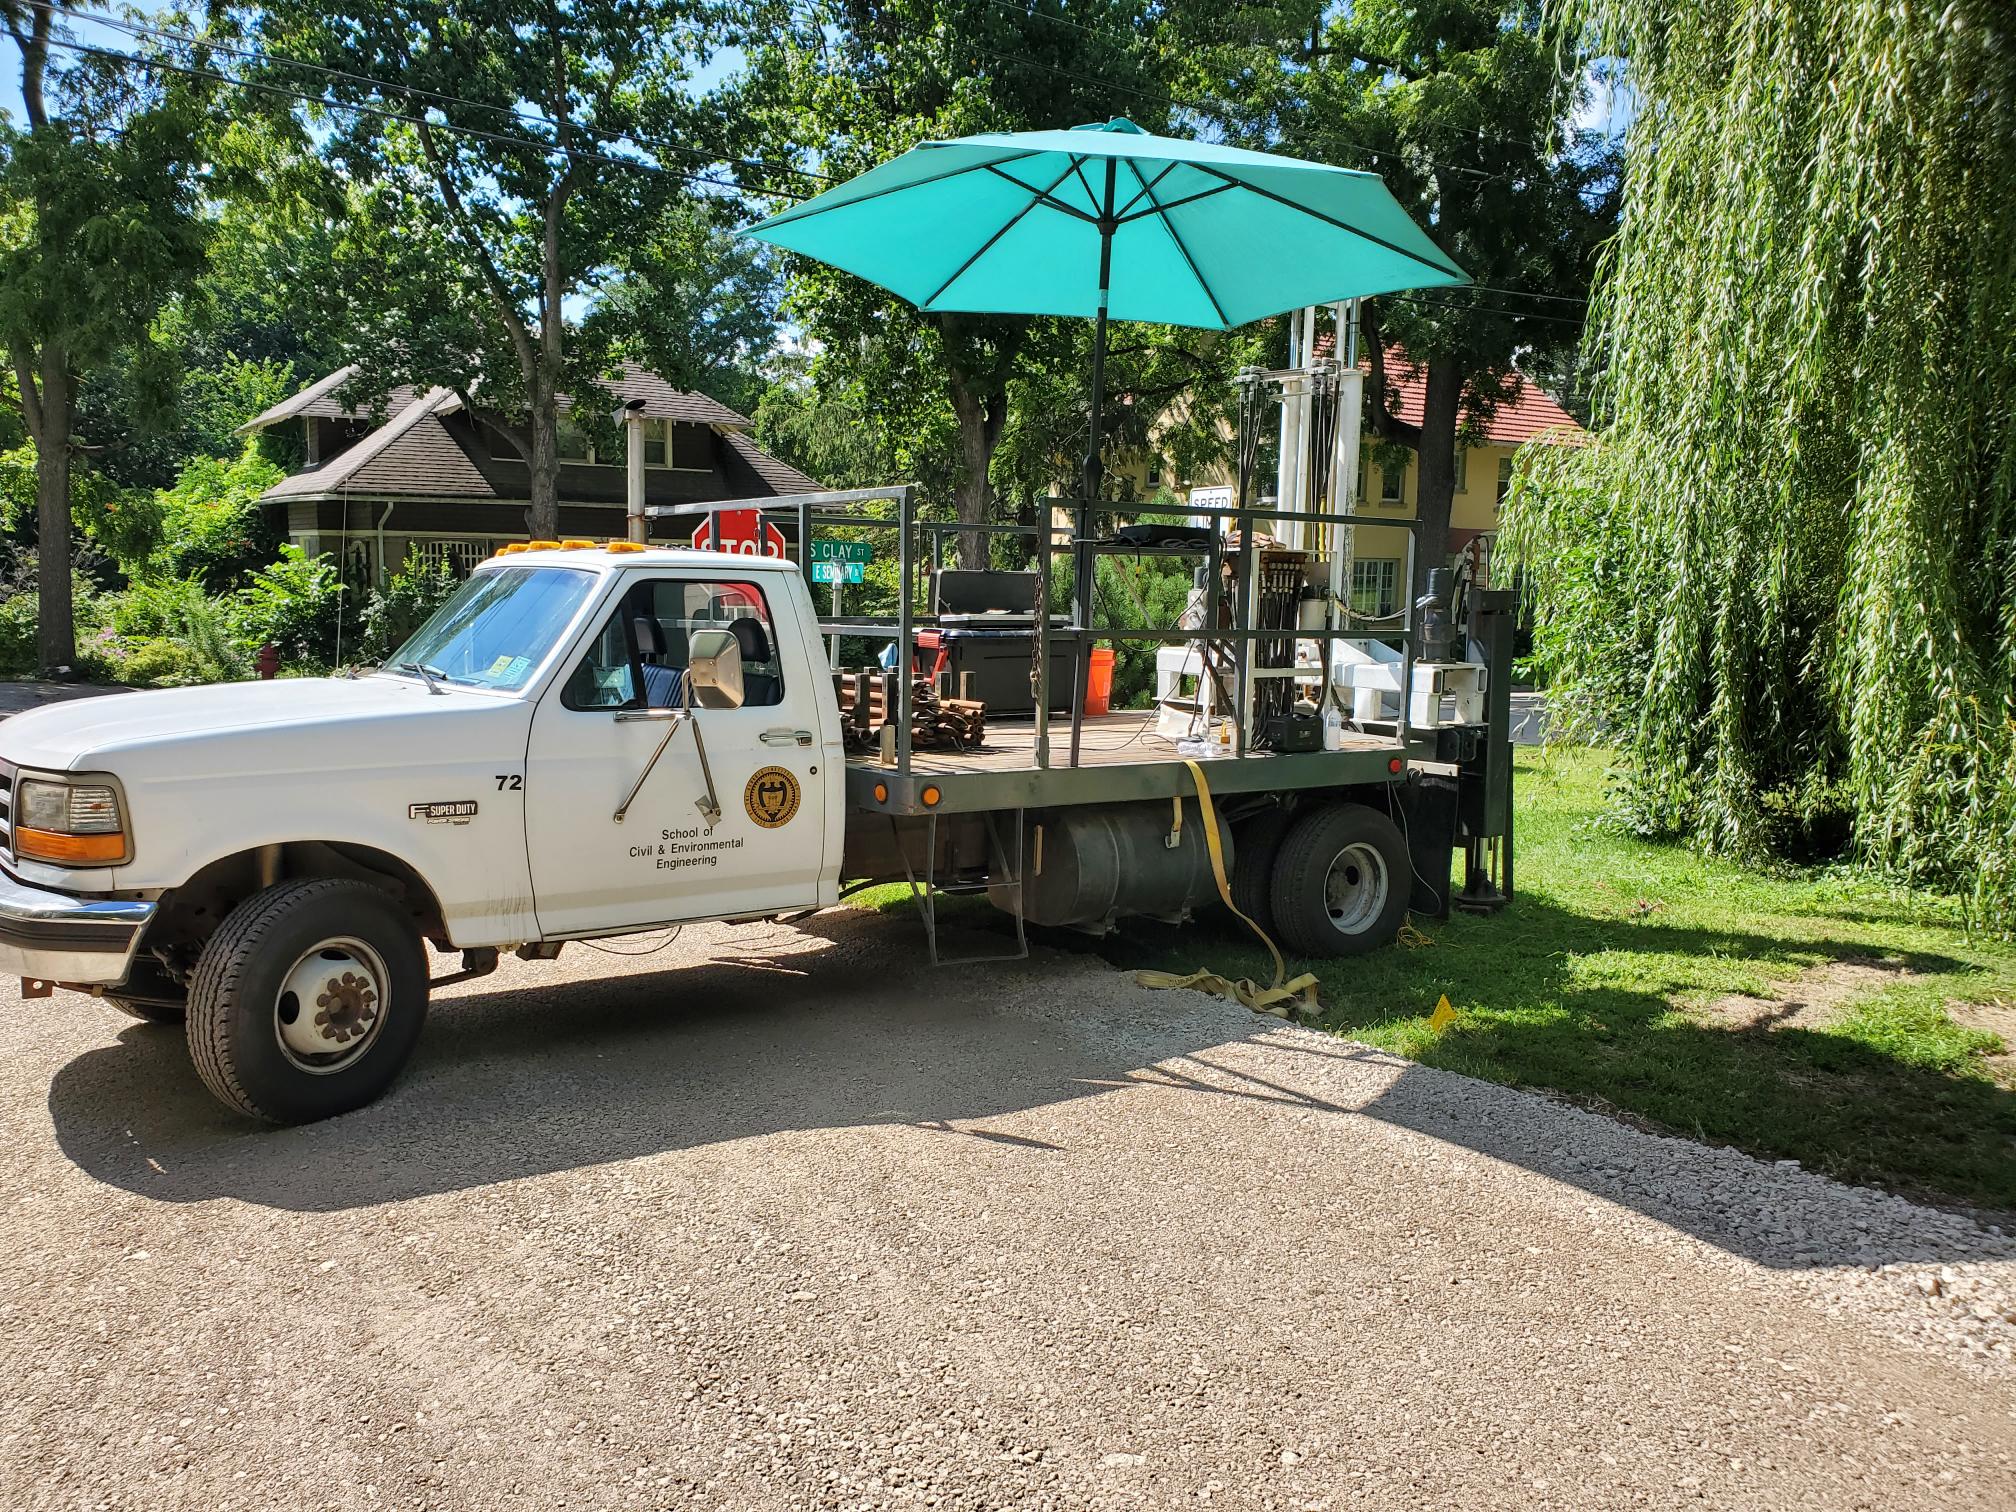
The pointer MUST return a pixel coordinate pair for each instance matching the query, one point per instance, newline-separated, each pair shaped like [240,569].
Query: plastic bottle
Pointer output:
[1333,727]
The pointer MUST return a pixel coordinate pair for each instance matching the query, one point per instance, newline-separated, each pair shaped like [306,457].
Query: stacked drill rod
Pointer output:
[868,702]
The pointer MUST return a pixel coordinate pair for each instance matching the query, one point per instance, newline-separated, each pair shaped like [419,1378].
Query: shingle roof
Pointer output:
[412,453]
[775,471]
[1530,412]
[662,401]
[319,401]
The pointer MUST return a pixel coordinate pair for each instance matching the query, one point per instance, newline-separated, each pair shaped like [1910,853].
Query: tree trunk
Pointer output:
[56,626]
[542,515]
[981,417]
[1435,488]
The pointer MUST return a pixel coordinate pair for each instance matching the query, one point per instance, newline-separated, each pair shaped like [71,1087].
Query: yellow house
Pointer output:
[1483,474]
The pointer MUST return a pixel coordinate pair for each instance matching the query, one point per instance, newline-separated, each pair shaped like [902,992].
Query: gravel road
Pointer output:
[784,1220]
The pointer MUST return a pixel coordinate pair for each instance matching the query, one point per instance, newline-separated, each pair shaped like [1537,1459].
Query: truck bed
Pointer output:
[1120,757]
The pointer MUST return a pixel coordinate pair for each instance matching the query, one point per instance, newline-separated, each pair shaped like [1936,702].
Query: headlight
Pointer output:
[71,823]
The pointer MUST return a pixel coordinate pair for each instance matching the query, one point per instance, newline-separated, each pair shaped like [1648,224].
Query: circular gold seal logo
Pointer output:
[771,797]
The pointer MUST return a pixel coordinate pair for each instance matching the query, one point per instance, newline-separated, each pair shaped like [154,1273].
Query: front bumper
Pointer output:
[54,937]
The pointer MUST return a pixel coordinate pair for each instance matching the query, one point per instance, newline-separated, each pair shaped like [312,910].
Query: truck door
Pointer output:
[595,732]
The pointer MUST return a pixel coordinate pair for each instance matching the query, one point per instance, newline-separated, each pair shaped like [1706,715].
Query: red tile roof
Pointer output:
[1530,412]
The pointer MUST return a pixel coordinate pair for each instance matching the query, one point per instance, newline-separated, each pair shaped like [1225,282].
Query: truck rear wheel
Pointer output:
[307,1001]
[1341,882]
[1256,846]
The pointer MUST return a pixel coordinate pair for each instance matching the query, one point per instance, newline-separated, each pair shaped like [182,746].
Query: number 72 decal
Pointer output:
[510,782]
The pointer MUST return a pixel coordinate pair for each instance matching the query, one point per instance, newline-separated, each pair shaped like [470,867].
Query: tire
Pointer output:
[1341,882]
[1256,845]
[307,1001]
[149,1013]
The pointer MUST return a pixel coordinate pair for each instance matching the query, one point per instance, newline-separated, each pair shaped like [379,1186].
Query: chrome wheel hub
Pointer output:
[1354,892]
[331,1005]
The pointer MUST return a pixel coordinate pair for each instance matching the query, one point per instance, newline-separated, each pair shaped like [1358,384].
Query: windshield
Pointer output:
[497,629]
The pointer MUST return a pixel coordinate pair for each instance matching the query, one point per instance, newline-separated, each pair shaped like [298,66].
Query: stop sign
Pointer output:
[742,531]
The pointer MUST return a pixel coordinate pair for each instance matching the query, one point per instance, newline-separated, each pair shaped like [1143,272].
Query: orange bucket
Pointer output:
[1098,681]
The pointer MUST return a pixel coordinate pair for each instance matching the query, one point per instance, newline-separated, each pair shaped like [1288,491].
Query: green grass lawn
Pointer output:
[1594,983]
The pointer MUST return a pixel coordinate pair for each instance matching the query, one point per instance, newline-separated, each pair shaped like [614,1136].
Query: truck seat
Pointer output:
[760,686]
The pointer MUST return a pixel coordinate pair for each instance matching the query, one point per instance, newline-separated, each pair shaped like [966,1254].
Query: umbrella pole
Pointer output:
[1081,609]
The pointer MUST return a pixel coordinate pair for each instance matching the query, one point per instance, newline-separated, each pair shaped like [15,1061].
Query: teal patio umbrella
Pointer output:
[1110,221]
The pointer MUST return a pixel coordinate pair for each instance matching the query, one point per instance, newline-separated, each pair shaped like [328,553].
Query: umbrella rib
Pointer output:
[807,211]
[1091,195]
[1121,214]
[1036,198]
[1175,204]
[1331,220]
[1043,196]
[1177,237]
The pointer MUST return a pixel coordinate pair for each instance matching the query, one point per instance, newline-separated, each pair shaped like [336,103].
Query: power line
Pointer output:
[549,147]
[145,32]
[136,60]
[1471,307]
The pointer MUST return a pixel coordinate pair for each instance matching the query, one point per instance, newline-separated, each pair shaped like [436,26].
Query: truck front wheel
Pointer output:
[307,1001]
[1342,882]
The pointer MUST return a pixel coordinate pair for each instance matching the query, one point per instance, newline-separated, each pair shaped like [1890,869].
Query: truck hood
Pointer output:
[91,732]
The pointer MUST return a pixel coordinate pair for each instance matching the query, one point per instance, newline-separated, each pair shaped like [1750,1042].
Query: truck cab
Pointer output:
[585,741]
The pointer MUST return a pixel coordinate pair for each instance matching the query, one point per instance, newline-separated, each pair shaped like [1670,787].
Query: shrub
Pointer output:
[293,603]
[406,603]
[17,636]
[158,662]
[214,527]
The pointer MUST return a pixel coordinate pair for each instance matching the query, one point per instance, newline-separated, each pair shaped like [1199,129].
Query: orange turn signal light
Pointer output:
[514,546]
[71,850]
[881,792]
[574,544]
[542,545]
[624,546]
[930,795]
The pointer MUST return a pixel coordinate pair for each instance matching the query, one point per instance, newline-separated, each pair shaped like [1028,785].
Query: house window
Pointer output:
[573,443]
[1462,470]
[461,557]
[1392,483]
[676,445]
[692,447]
[1374,585]
[1504,478]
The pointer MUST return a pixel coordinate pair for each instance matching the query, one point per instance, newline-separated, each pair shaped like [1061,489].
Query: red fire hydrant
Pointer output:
[267,663]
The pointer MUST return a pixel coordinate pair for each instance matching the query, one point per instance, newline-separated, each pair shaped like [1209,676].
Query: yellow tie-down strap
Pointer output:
[1284,999]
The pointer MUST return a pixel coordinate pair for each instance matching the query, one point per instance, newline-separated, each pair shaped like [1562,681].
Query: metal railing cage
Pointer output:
[851,508]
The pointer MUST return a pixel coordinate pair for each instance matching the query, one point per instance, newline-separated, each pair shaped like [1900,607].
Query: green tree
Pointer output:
[696,304]
[1783,578]
[101,223]
[507,156]
[1461,107]
[853,82]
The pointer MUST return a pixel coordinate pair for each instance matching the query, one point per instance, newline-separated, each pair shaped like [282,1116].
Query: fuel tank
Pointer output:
[1089,866]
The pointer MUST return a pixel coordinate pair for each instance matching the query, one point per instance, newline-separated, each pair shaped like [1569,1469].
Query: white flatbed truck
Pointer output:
[589,742]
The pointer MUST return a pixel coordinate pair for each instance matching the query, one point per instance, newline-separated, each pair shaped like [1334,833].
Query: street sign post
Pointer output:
[742,531]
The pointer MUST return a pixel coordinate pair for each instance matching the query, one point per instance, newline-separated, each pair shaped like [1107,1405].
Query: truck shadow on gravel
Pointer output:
[843,1028]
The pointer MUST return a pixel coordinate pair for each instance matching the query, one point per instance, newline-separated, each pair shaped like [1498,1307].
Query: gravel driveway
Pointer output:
[804,1224]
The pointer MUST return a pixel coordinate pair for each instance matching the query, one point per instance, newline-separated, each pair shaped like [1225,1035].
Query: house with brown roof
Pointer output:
[422,471]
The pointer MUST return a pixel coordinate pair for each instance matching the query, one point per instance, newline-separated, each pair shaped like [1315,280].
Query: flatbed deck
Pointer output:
[1120,758]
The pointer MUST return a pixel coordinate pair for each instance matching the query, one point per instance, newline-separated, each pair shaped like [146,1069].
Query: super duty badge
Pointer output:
[460,811]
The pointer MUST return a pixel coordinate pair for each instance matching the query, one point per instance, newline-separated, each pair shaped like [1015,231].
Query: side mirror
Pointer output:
[714,670]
